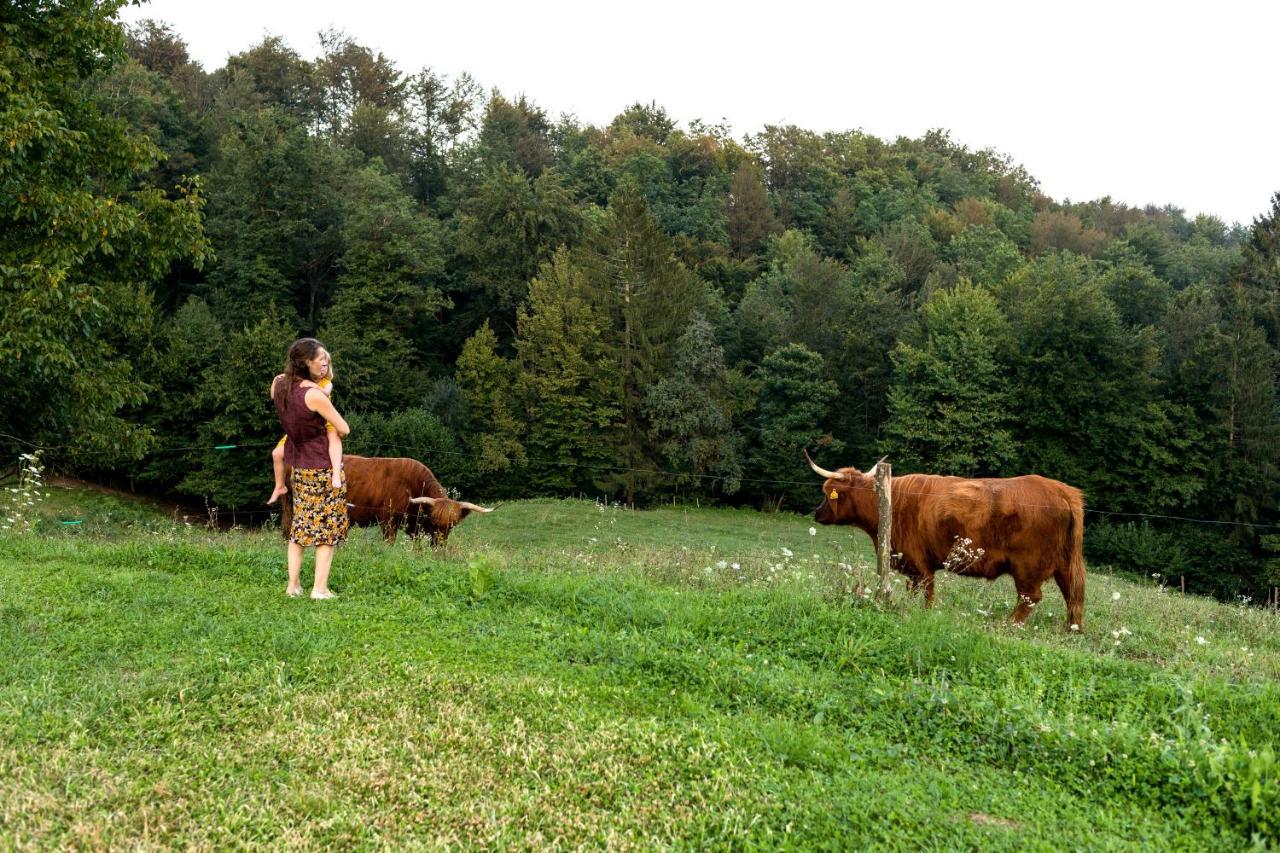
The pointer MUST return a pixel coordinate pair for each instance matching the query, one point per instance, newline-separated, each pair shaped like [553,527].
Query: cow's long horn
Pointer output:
[423,500]
[823,472]
[877,465]
[476,507]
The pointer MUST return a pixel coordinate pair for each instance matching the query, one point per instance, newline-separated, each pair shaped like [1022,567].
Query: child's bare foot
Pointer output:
[337,481]
[279,490]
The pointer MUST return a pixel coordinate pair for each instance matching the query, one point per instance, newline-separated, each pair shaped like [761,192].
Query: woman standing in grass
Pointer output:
[319,508]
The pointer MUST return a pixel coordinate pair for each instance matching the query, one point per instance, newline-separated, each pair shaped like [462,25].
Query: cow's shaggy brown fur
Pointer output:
[380,491]
[1029,527]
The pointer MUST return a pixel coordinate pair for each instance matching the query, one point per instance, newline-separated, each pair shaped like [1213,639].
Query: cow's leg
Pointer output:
[1073,595]
[1029,596]
[922,581]
[926,582]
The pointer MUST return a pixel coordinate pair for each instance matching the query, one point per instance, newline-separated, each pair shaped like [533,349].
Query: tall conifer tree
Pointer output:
[568,381]
[648,295]
[794,407]
[496,424]
[690,415]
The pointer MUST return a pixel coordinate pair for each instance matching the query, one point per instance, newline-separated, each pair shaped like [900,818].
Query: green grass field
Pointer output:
[566,674]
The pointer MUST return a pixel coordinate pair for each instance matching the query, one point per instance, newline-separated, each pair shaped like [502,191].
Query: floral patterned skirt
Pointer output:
[319,510]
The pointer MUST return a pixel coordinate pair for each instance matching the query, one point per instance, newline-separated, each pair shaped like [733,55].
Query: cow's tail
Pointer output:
[1072,581]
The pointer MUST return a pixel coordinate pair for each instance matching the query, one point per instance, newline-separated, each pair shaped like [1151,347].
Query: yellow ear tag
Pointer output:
[834,494]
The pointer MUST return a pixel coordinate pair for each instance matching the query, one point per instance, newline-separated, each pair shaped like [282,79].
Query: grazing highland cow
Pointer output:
[391,492]
[1029,527]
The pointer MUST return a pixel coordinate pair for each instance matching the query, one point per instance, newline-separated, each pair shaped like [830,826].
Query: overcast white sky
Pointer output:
[1148,102]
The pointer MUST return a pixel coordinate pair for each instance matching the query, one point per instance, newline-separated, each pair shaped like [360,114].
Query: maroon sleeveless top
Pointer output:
[308,446]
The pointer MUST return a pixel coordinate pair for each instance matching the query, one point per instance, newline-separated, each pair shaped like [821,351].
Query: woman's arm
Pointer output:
[318,402]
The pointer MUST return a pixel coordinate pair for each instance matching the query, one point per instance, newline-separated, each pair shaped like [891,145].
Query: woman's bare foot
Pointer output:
[279,490]
[293,591]
[322,594]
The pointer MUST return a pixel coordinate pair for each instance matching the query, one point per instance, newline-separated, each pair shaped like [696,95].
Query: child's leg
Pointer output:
[277,465]
[335,457]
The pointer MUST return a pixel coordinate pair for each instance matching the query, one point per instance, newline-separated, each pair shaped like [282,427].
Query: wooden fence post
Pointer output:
[884,530]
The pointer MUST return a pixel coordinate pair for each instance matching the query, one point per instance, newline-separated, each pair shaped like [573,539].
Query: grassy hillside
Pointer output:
[567,673]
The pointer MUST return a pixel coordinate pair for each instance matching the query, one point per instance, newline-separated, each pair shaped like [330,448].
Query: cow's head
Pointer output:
[446,514]
[838,493]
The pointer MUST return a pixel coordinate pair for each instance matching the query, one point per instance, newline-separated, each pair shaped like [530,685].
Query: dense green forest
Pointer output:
[646,311]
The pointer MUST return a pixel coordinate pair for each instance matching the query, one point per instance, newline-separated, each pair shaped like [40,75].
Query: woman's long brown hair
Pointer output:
[295,365]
